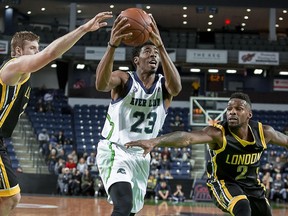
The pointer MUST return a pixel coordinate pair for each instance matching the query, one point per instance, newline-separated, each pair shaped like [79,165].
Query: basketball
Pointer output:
[139,22]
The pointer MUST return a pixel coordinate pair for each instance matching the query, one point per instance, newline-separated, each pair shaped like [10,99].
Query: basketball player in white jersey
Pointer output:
[138,108]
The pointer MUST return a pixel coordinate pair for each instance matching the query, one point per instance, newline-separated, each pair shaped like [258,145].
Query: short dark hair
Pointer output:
[242,96]
[136,50]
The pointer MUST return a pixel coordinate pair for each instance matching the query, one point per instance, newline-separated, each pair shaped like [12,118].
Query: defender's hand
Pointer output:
[145,144]
[98,21]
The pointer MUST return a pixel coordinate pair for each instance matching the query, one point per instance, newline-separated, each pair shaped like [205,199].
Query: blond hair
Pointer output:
[19,38]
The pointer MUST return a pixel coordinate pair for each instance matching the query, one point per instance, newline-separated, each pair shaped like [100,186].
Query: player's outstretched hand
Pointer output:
[98,21]
[145,144]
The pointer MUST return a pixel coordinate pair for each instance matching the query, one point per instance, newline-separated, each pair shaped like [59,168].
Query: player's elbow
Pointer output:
[100,86]
[176,90]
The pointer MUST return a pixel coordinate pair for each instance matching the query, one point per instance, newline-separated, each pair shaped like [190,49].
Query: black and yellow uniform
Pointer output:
[13,102]
[234,168]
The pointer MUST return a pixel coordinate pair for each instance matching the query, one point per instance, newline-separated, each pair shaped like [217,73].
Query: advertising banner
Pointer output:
[96,53]
[280,85]
[3,47]
[258,58]
[206,56]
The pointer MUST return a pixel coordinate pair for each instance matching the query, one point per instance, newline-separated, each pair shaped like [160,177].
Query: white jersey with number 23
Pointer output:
[140,114]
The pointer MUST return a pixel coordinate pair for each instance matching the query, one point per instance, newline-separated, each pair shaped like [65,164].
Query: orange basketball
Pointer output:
[139,22]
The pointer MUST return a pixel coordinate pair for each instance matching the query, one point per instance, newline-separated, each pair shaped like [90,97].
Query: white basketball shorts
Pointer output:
[118,164]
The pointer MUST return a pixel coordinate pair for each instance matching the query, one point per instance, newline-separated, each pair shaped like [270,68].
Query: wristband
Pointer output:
[109,44]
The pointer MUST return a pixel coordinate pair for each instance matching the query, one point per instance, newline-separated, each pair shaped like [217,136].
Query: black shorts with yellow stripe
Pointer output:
[8,180]
[226,194]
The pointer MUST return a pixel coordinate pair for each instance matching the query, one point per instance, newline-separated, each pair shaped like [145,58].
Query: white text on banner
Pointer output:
[3,47]
[258,58]
[206,56]
[97,53]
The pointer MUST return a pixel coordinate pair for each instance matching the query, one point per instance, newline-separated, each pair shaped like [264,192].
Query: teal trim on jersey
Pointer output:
[112,126]
[111,161]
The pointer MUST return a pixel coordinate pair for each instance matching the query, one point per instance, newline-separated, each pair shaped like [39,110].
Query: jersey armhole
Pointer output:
[127,88]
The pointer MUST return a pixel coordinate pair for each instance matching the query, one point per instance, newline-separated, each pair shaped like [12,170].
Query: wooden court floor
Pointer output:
[74,206]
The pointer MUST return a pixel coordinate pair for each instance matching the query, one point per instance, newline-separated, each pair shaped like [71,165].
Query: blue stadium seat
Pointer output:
[15,163]
[176,165]
[10,148]
[185,173]
[68,149]
[176,173]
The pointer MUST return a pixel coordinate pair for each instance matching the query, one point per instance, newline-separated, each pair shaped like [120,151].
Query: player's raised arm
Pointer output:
[28,59]
[171,74]
[105,79]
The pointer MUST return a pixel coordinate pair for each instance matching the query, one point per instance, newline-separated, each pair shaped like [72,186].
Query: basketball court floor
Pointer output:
[81,206]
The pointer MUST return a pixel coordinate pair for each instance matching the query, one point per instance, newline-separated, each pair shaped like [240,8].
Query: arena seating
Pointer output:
[231,40]
[85,123]
[11,152]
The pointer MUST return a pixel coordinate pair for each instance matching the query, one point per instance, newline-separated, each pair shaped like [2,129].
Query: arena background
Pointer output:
[231,34]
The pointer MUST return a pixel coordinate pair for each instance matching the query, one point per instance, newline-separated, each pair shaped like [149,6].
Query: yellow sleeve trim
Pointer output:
[223,138]
[10,191]
[261,132]
[25,80]
[1,82]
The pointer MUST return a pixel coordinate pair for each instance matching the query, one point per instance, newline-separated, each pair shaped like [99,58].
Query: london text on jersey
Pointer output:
[243,159]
